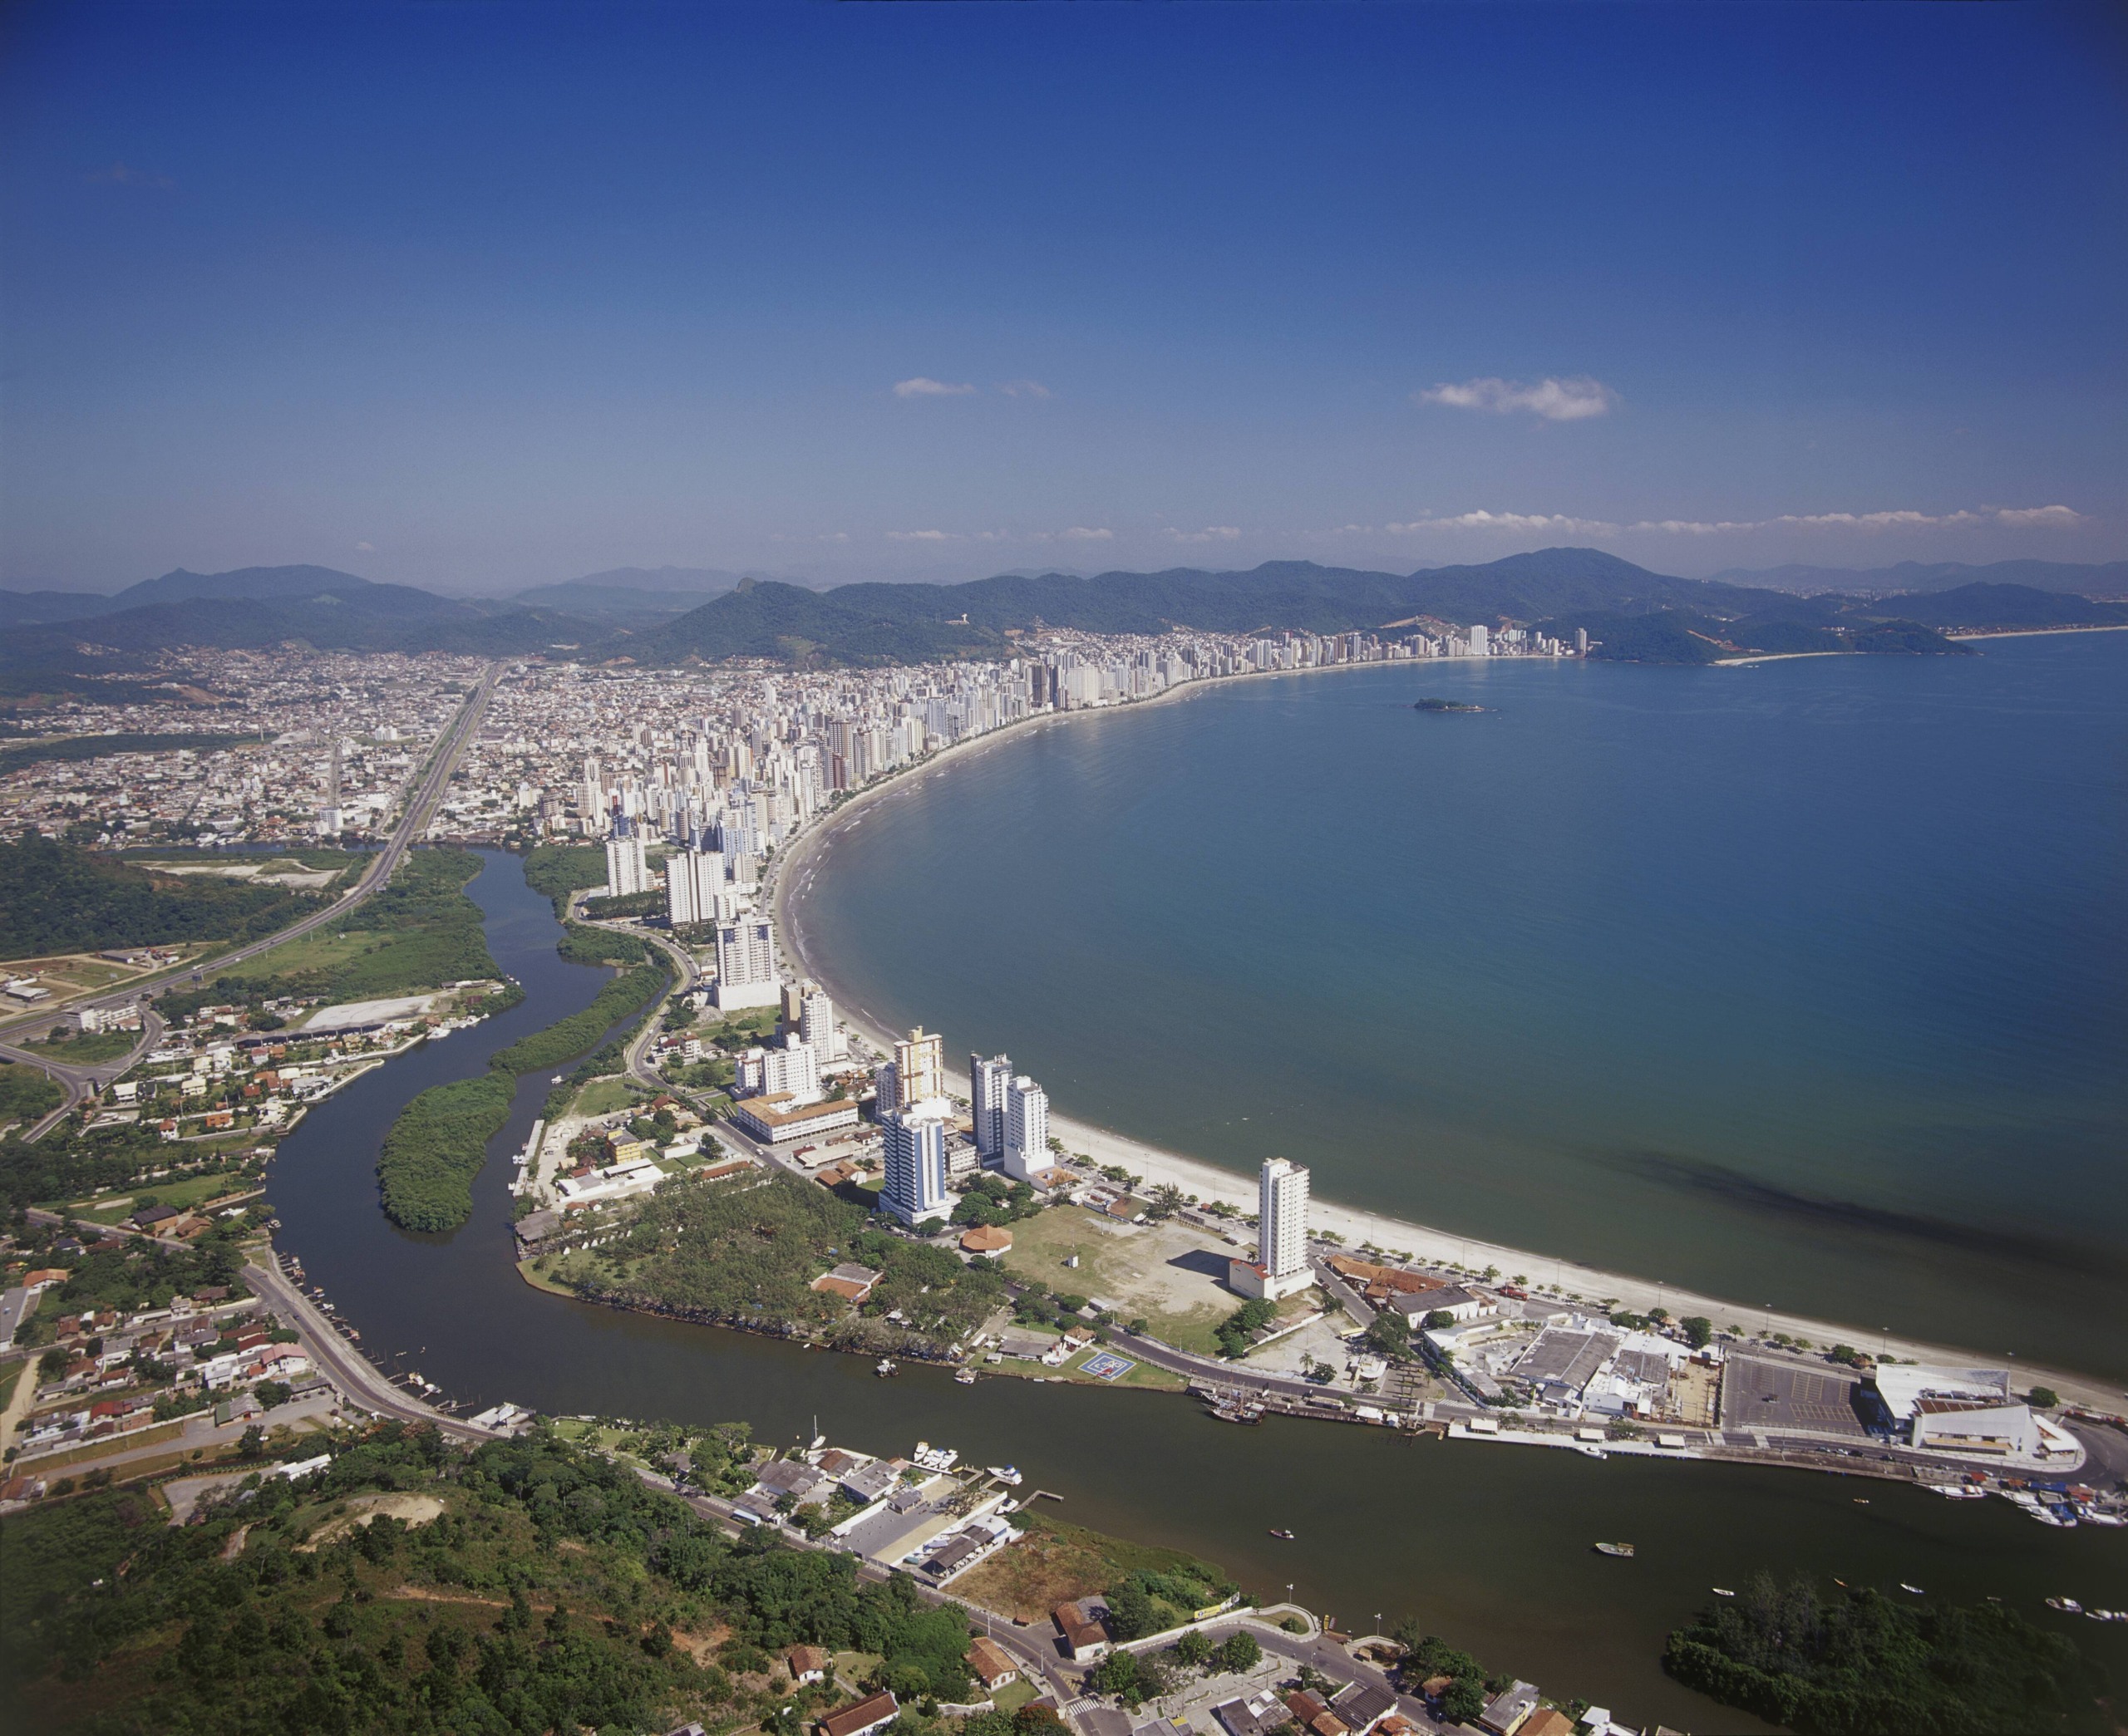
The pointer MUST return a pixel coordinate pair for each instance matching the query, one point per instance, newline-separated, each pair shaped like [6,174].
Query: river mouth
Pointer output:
[1489,1546]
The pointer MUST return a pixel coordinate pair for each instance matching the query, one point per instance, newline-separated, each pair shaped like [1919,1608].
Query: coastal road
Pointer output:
[347,1367]
[80,1082]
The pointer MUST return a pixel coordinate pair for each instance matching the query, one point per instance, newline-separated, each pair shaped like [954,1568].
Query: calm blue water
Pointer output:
[1805,983]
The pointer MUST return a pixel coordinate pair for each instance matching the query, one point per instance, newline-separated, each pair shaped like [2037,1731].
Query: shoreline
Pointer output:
[1359,1225]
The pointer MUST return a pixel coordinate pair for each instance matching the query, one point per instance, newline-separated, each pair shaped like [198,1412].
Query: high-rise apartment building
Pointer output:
[816,1025]
[1281,1267]
[915,1142]
[1027,1129]
[626,870]
[745,963]
[1479,648]
[794,1069]
[695,888]
[919,1068]
[988,1081]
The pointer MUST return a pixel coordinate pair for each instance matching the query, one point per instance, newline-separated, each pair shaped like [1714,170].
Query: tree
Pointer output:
[1130,1612]
[2043,1398]
[1390,1334]
[1463,1702]
[1439,1317]
[1240,1652]
[1193,1647]
[1699,1330]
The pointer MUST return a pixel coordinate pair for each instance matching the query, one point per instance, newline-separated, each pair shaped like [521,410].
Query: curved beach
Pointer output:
[791,881]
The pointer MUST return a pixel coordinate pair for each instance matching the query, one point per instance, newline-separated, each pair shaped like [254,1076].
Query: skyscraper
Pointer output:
[915,1140]
[1027,1129]
[988,1080]
[919,1068]
[1479,648]
[816,1025]
[694,887]
[626,871]
[745,963]
[793,1069]
[1281,1267]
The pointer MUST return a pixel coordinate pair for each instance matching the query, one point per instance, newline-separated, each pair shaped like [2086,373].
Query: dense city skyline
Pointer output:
[845,294]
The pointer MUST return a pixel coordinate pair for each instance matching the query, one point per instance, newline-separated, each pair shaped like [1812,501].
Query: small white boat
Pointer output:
[1916,1590]
[1722,1590]
[1009,1475]
[2067,1605]
[885,1366]
[1587,1451]
[966,1377]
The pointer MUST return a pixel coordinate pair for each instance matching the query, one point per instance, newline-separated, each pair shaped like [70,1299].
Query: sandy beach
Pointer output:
[791,873]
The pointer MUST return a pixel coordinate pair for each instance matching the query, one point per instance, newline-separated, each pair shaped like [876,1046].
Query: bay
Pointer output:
[1802,984]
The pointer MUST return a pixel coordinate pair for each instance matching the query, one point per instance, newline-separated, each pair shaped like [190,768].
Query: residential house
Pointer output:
[1080,1635]
[807,1664]
[1311,1714]
[990,1664]
[866,1719]
[1506,1713]
[1362,1705]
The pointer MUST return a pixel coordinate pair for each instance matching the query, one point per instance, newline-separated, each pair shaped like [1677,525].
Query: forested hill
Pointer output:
[1638,615]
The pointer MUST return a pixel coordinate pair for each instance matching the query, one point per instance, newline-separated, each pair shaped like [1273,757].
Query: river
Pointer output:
[1488,1545]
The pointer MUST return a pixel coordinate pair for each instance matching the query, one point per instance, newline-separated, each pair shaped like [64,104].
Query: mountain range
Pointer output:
[670,615]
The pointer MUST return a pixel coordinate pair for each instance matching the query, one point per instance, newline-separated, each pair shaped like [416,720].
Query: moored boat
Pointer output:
[1624,1550]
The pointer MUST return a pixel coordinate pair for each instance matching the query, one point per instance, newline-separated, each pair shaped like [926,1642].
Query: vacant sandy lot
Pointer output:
[364,1509]
[1172,1275]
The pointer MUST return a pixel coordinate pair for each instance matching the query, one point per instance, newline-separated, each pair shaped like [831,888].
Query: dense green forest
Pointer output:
[1859,1665]
[743,1251]
[555,1591]
[558,869]
[433,1152]
[54,898]
[437,1145]
[69,748]
[577,1033]
[26,1095]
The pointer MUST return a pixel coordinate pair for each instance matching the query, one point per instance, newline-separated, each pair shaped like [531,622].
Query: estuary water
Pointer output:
[1487,1545]
[1803,983]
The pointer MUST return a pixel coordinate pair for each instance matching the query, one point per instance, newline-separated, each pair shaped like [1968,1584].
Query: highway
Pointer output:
[80,1082]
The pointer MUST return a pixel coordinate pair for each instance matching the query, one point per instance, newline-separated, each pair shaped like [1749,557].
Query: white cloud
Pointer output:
[1870,522]
[365,548]
[1022,389]
[1085,533]
[2052,518]
[921,536]
[1556,400]
[1210,534]
[921,387]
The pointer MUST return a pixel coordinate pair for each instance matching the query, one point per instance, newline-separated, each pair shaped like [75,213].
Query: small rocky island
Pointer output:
[1444,704]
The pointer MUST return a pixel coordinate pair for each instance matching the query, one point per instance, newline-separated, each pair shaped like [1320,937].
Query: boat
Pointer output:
[2067,1605]
[2092,1517]
[1286,1535]
[1861,1500]
[1587,1451]
[1227,1410]
[1915,1590]
[966,1377]
[1624,1550]
[2107,1615]
[1722,1590]
[886,1366]
[1009,1475]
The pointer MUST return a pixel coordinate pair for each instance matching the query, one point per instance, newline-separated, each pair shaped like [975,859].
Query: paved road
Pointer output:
[344,1365]
[84,1082]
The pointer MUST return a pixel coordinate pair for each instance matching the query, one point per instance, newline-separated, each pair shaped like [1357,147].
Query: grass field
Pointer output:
[1057,1563]
[1165,1273]
[183,1192]
[328,949]
[603,1096]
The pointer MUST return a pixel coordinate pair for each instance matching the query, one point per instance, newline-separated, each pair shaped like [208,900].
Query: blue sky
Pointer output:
[479,298]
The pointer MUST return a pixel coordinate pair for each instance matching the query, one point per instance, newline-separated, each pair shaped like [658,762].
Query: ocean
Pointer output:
[1803,984]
